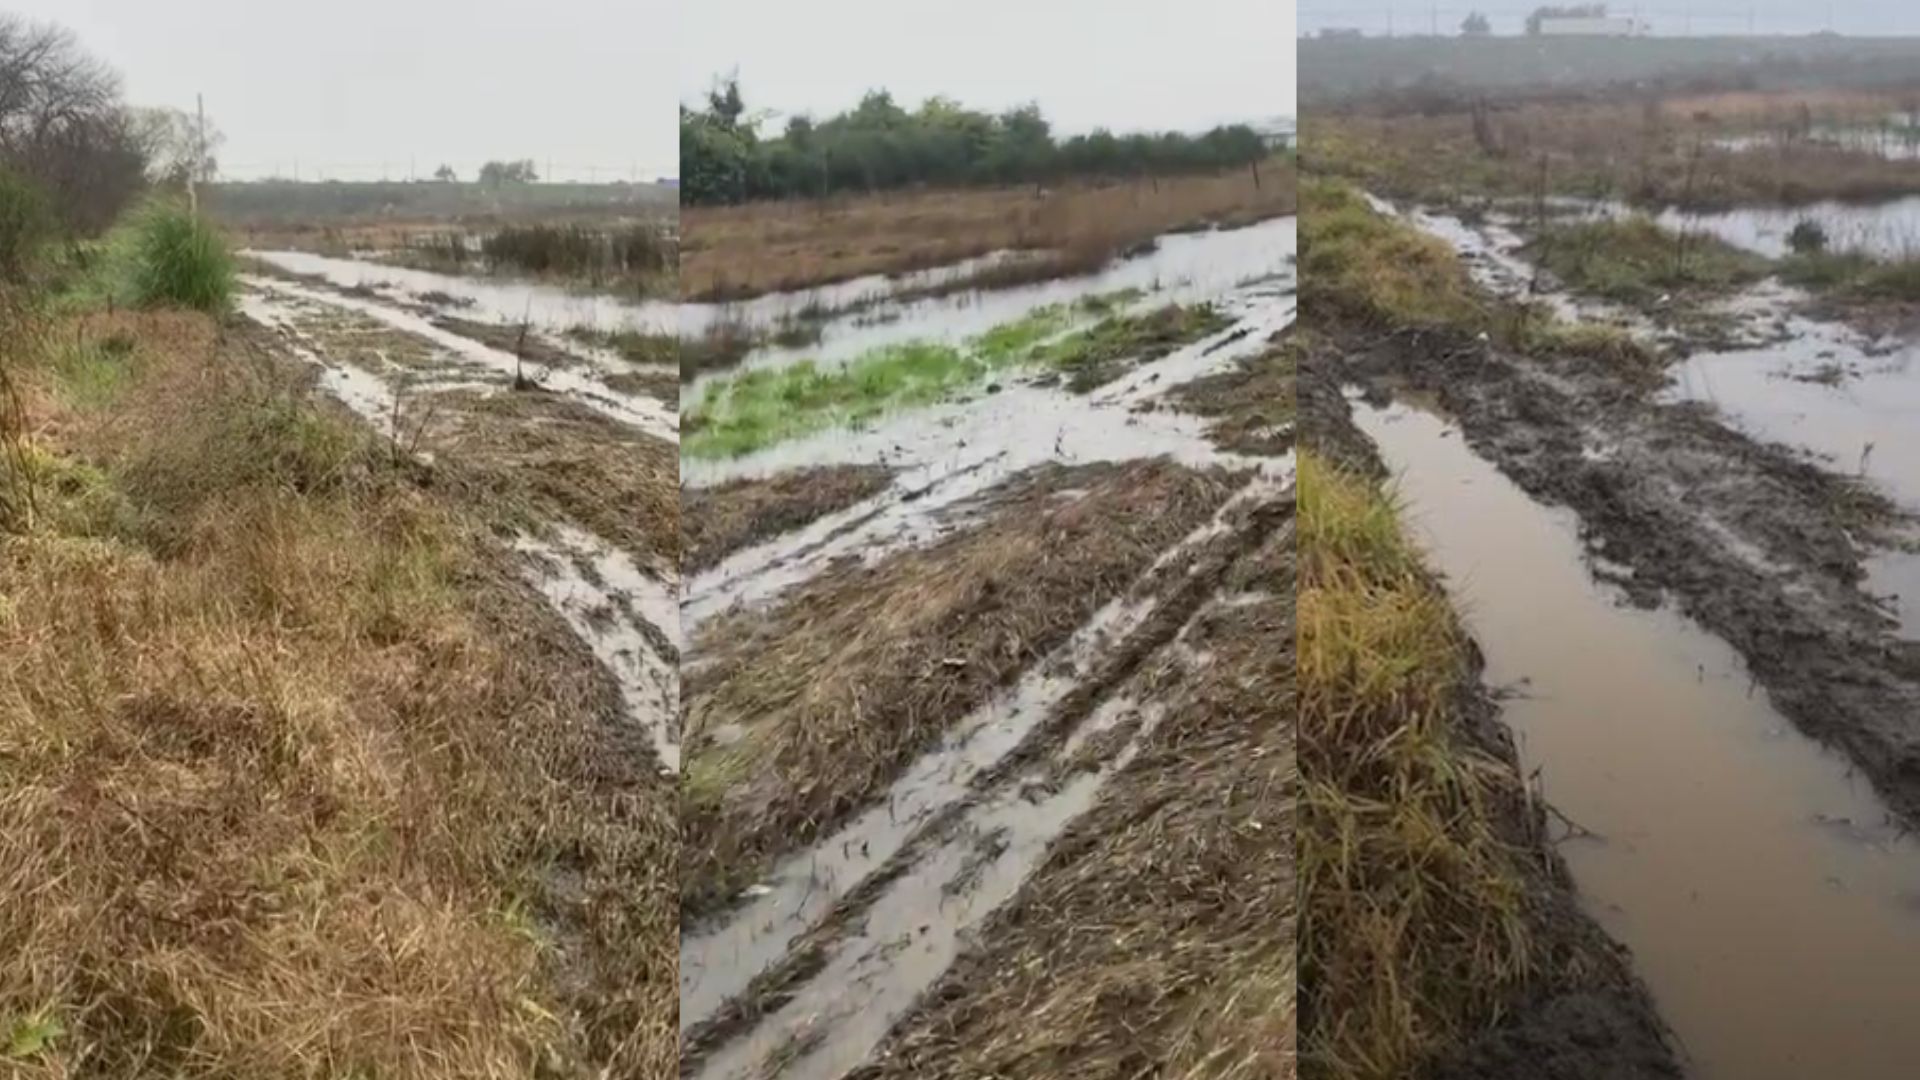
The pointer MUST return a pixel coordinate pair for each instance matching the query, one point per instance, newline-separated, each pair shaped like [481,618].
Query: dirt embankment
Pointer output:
[1574,1010]
[1756,544]
[720,520]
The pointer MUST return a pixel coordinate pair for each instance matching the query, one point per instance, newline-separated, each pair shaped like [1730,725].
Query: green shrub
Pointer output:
[174,259]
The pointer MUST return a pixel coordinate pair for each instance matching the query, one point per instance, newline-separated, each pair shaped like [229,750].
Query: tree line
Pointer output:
[879,145]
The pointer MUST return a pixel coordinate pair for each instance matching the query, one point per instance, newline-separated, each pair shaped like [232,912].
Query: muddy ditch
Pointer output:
[1694,797]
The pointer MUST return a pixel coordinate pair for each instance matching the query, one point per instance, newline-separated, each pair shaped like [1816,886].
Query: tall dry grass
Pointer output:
[294,778]
[735,252]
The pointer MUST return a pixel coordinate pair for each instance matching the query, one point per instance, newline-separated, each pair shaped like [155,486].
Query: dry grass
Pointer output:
[295,778]
[528,456]
[1415,928]
[1157,937]
[846,680]
[716,521]
[1656,152]
[742,251]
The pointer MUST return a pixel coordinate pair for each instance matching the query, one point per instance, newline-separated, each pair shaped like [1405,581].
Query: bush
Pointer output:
[174,259]
[1807,237]
[26,222]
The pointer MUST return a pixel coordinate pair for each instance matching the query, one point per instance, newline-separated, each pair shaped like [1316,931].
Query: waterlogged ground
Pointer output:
[1705,656]
[1182,268]
[577,467]
[1847,399]
[809,963]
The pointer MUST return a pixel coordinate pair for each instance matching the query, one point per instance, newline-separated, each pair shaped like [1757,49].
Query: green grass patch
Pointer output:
[1636,261]
[636,346]
[159,256]
[1359,265]
[751,410]
[1853,275]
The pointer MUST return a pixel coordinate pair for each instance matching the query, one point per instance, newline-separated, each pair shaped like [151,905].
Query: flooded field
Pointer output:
[813,963]
[1181,268]
[1767,895]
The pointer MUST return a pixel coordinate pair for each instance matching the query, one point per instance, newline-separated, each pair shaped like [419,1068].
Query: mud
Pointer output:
[806,711]
[1251,407]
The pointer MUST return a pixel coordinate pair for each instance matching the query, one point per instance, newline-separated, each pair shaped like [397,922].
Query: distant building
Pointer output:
[1340,32]
[1590,26]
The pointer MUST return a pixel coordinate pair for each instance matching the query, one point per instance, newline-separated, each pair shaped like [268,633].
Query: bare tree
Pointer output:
[63,125]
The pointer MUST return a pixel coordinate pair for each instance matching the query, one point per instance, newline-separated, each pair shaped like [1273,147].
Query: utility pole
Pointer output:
[199,153]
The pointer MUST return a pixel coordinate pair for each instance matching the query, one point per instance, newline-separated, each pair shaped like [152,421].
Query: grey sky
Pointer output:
[1180,64]
[1859,17]
[347,85]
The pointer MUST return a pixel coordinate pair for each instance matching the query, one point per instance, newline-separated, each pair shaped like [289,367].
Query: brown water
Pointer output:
[1769,903]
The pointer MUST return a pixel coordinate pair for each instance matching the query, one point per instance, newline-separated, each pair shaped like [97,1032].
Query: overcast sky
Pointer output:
[1860,17]
[1182,64]
[343,86]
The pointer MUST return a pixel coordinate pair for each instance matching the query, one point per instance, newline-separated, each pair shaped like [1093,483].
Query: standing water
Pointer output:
[1769,902]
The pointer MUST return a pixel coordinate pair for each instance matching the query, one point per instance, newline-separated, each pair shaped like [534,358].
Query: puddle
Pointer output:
[1767,901]
[625,615]
[1857,409]
[1184,268]
[502,300]
[1897,140]
[1888,230]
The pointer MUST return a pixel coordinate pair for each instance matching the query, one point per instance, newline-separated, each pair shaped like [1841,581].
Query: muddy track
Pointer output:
[1183,587]
[1754,543]
[1589,1017]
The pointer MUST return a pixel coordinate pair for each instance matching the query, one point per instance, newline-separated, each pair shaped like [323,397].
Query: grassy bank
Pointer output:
[297,778]
[1412,930]
[737,252]
[1362,268]
[741,413]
